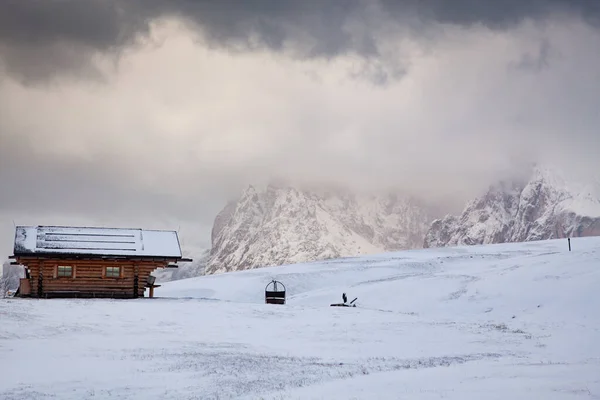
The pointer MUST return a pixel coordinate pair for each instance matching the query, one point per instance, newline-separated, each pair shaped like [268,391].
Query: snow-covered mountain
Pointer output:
[283,225]
[545,207]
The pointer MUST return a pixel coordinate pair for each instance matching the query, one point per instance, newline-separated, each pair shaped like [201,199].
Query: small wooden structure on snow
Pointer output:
[92,262]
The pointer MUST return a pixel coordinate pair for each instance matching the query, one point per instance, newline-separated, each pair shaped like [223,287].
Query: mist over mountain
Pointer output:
[284,224]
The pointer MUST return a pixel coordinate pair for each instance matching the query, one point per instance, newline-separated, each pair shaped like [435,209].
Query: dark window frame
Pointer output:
[61,271]
[109,271]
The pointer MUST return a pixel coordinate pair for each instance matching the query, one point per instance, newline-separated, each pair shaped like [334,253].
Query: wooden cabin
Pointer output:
[92,262]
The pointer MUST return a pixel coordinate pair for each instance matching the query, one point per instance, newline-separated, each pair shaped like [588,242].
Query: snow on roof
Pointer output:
[31,240]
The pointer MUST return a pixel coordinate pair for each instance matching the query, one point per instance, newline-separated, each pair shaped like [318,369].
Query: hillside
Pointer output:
[284,224]
[508,321]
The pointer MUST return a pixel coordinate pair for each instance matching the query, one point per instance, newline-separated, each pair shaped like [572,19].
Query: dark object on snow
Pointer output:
[276,295]
[345,303]
[569,239]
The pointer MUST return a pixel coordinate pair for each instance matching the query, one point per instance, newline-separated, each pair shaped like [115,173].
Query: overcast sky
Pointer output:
[153,113]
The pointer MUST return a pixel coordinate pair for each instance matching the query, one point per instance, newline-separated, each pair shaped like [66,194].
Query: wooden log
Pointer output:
[151,294]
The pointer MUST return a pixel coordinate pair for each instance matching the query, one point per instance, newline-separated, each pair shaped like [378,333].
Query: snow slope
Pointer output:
[507,321]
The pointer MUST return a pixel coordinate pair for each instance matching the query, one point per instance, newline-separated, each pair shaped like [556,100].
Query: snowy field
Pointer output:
[515,321]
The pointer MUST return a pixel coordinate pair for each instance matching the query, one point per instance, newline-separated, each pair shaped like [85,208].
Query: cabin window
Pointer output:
[64,271]
[113,272]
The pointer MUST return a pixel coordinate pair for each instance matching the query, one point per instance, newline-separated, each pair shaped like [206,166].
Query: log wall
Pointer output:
[89,278]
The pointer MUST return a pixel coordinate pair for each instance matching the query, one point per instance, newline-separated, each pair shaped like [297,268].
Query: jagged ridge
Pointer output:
[283,225]
[545,207]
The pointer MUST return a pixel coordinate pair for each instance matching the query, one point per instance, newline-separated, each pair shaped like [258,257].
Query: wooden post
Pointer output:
[40,288]
[569,240]
[135,281]
[151,286]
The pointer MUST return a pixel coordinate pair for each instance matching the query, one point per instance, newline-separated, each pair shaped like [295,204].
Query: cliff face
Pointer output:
[283,225]
[545,207]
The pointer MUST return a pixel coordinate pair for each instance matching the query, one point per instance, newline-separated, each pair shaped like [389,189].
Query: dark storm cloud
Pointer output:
[40,39]
[97,23]
[273,23]
[501,14]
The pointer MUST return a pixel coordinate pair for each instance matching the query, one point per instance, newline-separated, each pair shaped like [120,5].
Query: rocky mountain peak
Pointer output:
[283,224]
[545,206]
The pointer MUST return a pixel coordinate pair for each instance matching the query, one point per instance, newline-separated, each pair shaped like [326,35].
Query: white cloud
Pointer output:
[179,127]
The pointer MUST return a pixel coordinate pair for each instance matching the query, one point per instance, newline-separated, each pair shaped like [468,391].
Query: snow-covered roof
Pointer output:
[57,240]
